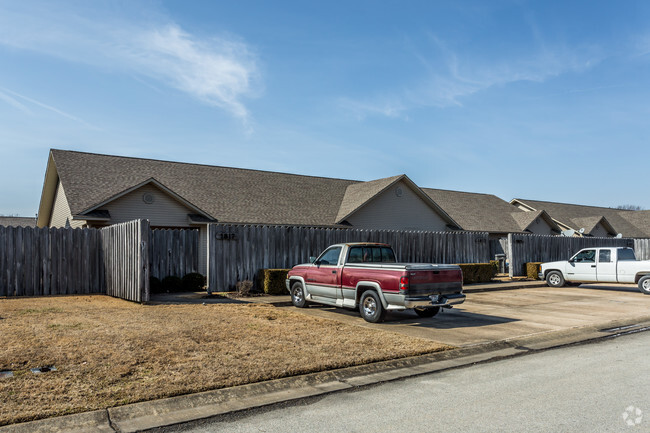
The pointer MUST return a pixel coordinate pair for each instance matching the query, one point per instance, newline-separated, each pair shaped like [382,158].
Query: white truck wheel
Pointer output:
[555,279]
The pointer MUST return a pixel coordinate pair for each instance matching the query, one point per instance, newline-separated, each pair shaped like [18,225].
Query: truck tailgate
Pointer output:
[434,279]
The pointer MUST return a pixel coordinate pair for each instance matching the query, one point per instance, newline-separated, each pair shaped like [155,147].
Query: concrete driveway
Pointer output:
[501,315]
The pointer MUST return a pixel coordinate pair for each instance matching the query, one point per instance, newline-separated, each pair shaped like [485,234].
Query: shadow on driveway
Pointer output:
[181,298]
[446,319]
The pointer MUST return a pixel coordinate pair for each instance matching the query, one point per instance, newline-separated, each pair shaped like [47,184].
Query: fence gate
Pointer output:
[125,250]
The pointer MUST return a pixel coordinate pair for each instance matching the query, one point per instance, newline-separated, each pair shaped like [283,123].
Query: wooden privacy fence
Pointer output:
[523,249]
[642,249]
[126,260]
[173,252]
[41,262]
[49,261]
[238,252]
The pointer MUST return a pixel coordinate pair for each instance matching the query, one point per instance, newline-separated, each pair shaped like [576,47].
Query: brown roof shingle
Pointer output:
[226,194]
[475,211]
[8,221]
[620,220]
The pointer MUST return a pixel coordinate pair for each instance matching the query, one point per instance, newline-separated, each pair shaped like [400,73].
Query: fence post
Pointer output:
[510,256]
[145,235]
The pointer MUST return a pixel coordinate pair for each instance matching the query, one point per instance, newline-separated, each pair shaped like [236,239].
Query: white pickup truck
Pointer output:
[599,265]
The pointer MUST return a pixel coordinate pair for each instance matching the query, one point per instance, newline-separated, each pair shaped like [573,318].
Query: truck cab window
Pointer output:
[605,256]
[387,255]
[585,256]
[626,254]
[355,255]
[330,257]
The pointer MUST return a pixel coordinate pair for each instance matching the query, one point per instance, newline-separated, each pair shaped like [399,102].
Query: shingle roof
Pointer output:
[620,220]
[525,219]
[357,194]
[640,219]
[226,194]
[590,223]
[475,211]
[17,221]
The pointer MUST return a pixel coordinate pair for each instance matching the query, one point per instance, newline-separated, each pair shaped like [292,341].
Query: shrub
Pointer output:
[273,281]
[244,288]
[155,286]
[477,272]
[533,269]
[495,263]
[171,283]
[193,282]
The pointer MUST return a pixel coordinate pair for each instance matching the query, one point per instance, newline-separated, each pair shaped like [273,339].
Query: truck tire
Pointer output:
[298,295]
[370,307]
[555,279]
[427,311]
[644,284]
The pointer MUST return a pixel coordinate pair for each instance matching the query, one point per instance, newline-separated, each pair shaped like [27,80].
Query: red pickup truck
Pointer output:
[367,276]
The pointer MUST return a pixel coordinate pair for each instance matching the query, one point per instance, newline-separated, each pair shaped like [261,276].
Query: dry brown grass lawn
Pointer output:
[110,352]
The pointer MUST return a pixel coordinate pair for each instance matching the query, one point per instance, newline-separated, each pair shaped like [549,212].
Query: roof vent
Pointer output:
[398,191]
[148,197]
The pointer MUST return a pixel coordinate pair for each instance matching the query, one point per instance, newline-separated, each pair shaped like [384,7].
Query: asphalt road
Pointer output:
[585,388]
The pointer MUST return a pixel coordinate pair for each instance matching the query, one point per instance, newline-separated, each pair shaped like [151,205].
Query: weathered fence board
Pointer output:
[238,252]
[535,248]
[41,262]
[173,252]
[125,250]
[642,249]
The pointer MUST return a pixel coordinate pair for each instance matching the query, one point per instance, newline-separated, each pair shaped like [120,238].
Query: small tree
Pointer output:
[629,207]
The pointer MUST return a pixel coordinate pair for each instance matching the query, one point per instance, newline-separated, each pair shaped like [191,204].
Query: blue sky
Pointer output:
[542,100]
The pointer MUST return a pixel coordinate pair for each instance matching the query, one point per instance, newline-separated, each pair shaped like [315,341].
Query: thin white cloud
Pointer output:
[14,102]
[218,71]
[449,79]
[42,105]
[383,107]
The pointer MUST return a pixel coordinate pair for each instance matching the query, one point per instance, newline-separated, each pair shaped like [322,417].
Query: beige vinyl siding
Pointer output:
[61,213]
[390,212]
[165,211]
[541,227]
[521,207]
[600,231]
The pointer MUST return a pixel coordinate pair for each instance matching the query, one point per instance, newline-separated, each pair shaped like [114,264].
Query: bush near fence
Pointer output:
[477,272]
[193,282]
[533,269]
[272,281]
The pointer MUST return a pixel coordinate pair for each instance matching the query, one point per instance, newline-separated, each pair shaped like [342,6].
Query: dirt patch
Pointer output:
[108,352]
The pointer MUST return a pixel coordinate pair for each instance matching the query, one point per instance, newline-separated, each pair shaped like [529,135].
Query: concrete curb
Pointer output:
[176,410]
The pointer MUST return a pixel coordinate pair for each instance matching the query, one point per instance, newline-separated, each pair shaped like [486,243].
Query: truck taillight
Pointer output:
[404,283]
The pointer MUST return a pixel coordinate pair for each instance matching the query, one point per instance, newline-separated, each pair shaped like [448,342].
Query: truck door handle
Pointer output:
[593,266]
[333,272]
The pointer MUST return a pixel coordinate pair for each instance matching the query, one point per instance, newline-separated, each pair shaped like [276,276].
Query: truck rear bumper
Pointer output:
[434,300]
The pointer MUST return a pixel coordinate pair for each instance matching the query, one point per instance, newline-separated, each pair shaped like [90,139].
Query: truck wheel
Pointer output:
[427,311]
[555,279]
[370,307]
[298,295]
[644,285]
